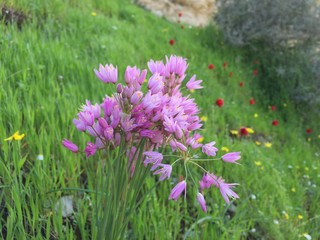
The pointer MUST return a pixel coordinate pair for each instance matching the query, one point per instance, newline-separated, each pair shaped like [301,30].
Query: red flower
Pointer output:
[171,42]
[241,84]
[230,74]
[243,131]
[180,14]
[225,64]
[275,122]
[273,108]
[211,66]
[219,102]
[255,72]
[308,130]
[252,102]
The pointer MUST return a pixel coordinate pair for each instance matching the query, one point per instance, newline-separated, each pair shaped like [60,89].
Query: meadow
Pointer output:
[46,74]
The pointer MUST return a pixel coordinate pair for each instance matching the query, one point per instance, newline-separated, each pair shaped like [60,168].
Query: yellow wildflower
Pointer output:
[300,216]
[225,149]
[204,118]
[286,215]
[191,90]
[309,139]
[200,140]
[258,143]
[293,189]
[94,14]
[234,132]
[15,136]
[250,130]
[258,163]
[256,115]
[268,144]
[285,105]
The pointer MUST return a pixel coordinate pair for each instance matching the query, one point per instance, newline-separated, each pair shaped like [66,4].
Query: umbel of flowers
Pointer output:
[161,117]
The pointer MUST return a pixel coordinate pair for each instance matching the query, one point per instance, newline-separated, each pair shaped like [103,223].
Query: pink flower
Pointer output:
[202,202]
[193,83]
[209,149]
[165,171]
[70,145]
[136,97]
[177,190]
[154,158]
[90,149]
[226,192]
[231,157]
[107,74]
[87,118]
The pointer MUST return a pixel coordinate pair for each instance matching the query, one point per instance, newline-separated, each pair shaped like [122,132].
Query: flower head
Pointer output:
[107,74]
[211,66]
[231,157]
[241,84]
[154,158]
[308,130]
[243,131]
[15,136]
[209,149]
[70,145]
[275,122]
[255,72]
[193,83]
[219,102]
[177,190]
[171,42]
[251,101]
[202,202]
[165,171]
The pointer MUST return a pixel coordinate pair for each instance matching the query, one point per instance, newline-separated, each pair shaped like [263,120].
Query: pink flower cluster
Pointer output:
[162,116]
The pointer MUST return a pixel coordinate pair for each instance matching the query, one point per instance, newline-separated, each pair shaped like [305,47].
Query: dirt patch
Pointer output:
[12,16]
[197,13]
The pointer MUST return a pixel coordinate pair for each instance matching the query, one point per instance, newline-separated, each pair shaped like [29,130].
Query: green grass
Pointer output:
[46,73]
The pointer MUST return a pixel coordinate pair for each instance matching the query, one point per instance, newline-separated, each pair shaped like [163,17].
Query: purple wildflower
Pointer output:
[209,149]
[231,157]
[107,74]
[154,158]
[70,145]
[193,83]
[90,149]
[202,202]
[165,171]
[177,190]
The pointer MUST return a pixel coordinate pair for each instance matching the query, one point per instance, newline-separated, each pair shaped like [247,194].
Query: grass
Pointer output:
[46,71]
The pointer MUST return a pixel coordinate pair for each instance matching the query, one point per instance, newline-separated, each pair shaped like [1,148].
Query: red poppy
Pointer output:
[252,102]
[255,72]
[273,108]
[211,66]
[308,130]
[241,84]
[225,64]
[243,131]
[219,102]
[180,14]
[230,74]
[171,42]
[275,122]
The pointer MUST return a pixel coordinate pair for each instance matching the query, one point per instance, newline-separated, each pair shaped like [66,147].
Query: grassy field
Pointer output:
[46,74]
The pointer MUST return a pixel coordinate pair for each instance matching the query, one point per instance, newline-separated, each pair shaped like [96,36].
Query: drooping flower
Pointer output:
[193,83]
[209,149]
[231,157]
[219,102]
[107,74]
[226,190]
[70,145]
[211,66]
[154,158]
[177,190]
[251,101]
[202,202]
[90,149]
[15,136]
[165,171]
[171,42]
[275,122]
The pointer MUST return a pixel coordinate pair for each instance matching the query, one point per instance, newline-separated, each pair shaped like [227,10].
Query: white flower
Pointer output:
[40,157]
